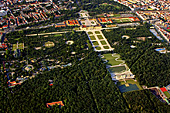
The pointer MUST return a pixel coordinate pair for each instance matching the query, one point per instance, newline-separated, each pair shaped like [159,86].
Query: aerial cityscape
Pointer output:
[92,56]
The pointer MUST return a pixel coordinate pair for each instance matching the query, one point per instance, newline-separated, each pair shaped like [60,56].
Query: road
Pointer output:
[47,33]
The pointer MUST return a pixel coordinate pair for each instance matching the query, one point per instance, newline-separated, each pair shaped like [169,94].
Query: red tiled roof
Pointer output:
[83,26]
[163,89]
[5,26]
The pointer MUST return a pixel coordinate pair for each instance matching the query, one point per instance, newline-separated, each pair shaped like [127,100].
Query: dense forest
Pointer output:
[150,67]
[145,101]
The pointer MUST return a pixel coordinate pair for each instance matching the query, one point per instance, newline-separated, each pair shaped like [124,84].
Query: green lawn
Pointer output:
[111,59]
[103,42]
[118,21]
[167,94]
[56,35]
[95,43]
[116,15]
[108,30]
[77,28]
[14,46]
[117,69]
[98,48]
[168,30]
[100,36]
[92,38]
[126,20]
[130,28]
[117,7]
[20,45]
[97,32]
[17,39]
[92,22]
[106,47]
[130,82]
[90,32]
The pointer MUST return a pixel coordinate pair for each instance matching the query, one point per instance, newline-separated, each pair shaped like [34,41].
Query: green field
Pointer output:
[16,38]
[92,38]
[97,32]
[117,69]
[103,42]
[111,59]
[100,36]
[90,32]
[106,47]
[95,43]
[167,94]
[130,82]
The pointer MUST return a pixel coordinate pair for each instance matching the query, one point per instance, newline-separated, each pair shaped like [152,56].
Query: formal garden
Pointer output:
[113,59]
[117,69]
